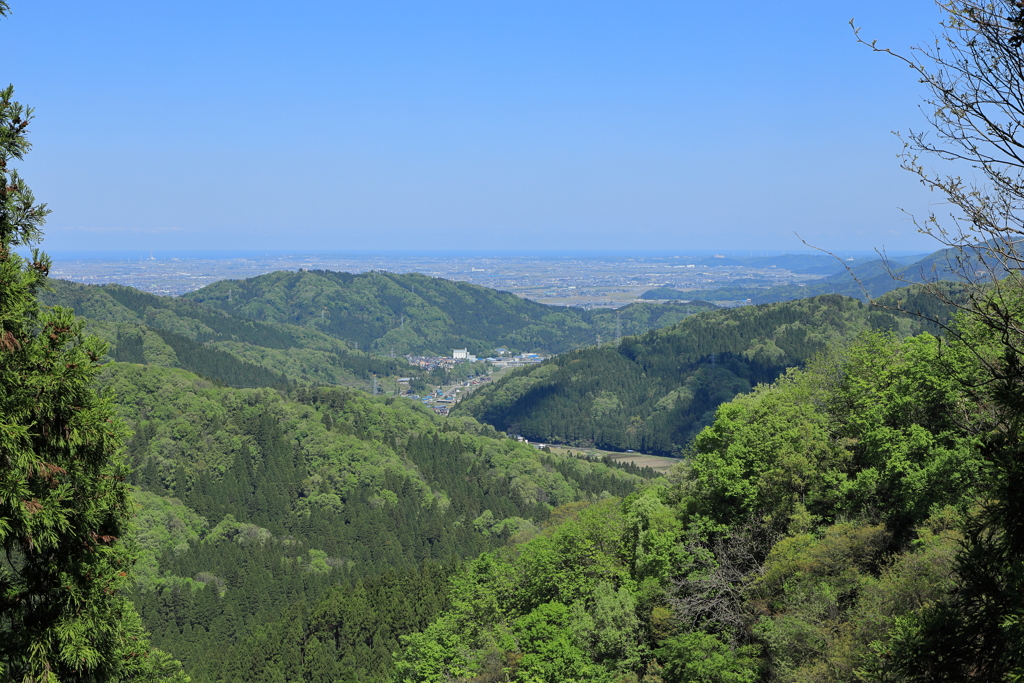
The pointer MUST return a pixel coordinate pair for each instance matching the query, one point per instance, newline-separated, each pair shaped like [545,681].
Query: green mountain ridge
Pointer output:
[417,314]
[174,332]
[319,534]
[278,333]
[654,392]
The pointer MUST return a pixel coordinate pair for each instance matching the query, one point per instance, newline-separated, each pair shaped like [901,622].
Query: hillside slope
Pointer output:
[174,332]
[821,530]
[652,393]
[417,314]
[258,505]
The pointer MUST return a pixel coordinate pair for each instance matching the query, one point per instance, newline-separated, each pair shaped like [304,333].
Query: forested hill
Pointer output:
[825,528]
[295,536]
[174,332]
[417,314]
[653,392]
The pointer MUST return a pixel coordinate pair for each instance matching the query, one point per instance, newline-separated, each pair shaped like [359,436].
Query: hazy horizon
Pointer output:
[551,254]
[346,126]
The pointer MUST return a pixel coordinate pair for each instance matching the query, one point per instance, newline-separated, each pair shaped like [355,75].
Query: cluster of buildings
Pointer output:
[502,360]
[441,400]
[516,361]
[429,363]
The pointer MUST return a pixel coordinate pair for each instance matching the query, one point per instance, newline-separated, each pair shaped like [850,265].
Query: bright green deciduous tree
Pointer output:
[973,72]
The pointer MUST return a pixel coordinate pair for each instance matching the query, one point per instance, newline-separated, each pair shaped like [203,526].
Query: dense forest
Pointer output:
[298,347]
[654,392]
[173,332]
[847,522]
[411,313]
[265,518]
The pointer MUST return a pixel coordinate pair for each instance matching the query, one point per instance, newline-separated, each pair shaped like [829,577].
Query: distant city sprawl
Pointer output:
[590,282]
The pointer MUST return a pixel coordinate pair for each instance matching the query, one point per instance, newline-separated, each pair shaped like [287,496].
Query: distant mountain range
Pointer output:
[862,280]
[818,264]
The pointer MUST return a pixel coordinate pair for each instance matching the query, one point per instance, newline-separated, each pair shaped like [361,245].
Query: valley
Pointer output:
[291,525]
[504,464]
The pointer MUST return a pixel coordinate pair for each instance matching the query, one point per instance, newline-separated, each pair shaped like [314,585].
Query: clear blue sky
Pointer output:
[476,125]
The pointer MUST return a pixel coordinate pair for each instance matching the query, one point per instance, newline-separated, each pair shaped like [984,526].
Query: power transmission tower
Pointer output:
[618,326]
[375,384]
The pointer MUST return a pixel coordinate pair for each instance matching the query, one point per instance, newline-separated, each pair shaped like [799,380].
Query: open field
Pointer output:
[655,462]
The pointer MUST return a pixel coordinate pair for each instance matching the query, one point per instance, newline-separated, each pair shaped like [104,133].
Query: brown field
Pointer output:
[655,462]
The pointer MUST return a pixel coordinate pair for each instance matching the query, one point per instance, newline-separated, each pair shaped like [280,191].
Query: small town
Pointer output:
[443,398]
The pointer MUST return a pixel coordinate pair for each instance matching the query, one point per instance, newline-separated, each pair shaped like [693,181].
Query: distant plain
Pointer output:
[589,280]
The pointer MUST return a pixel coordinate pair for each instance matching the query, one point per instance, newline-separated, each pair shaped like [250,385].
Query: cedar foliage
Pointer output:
[64,500]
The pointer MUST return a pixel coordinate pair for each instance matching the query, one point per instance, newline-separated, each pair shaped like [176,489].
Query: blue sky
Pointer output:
[470,125]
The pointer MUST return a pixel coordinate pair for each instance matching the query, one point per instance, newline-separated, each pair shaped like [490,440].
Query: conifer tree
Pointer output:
[64,501]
